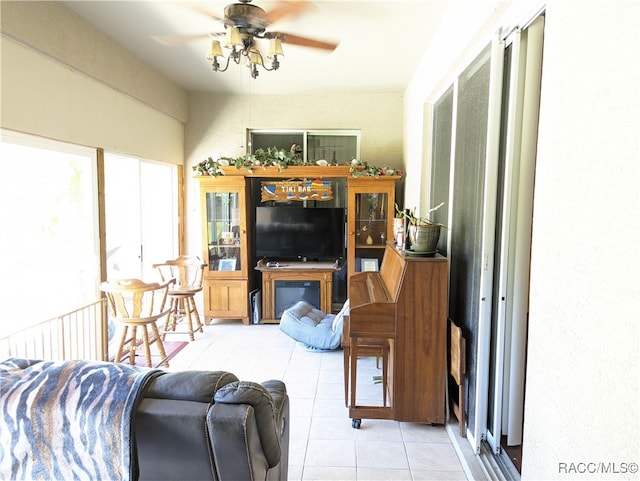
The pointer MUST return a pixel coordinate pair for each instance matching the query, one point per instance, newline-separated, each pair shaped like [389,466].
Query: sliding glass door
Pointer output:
[484,148]
[141,215]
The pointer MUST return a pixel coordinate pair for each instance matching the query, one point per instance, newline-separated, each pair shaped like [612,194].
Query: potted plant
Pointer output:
[423,232]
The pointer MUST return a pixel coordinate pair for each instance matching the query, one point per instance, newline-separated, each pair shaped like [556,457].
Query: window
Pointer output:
[49,245]
[337,146]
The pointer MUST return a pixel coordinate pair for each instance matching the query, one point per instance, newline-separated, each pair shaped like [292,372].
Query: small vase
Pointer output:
[369,240]
[398,229]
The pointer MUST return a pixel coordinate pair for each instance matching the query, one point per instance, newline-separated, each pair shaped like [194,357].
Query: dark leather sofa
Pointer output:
[208,425]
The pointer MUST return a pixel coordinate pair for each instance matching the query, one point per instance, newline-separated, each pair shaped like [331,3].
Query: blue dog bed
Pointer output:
[314,329]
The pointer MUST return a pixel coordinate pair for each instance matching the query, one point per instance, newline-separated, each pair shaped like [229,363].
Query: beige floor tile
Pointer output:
[301,389]
[331,428]
[432,457]
[330,453]
[438,475]
[423,433]
[330,390]
[297,452]
[308,376]
[381,454]
[332,361]
[317,473]
[299,427]
[301,406]
[295,473]
[379,430]
[330,408]
[383,474]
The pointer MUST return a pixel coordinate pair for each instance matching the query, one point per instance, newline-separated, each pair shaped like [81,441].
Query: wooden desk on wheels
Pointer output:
[295,271]
[406,304]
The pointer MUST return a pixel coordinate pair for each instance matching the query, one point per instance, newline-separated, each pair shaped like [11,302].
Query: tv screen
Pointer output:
[297,233]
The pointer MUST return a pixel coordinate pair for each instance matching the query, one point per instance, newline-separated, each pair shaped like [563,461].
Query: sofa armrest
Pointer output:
[253,419]
[235,442]
[268,410]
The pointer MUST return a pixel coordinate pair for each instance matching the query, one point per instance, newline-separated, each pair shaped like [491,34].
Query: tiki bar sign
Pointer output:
[296,190]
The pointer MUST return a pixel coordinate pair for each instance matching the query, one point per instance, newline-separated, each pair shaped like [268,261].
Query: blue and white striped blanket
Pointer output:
[68,420]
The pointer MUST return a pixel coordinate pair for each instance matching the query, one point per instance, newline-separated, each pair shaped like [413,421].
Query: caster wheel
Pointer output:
[355,423]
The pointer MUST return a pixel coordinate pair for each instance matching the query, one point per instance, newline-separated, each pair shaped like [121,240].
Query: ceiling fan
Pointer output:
[243,24]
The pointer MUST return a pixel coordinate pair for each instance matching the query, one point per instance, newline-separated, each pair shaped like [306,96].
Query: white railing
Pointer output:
[79,334]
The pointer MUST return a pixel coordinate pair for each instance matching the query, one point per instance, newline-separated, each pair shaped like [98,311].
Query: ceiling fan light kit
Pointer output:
[244,23]
[242,44]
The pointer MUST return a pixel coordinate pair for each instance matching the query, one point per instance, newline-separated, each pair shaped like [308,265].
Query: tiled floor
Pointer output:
[323,444]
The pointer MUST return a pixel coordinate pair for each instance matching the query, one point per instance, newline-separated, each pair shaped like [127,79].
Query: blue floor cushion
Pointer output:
[314,329]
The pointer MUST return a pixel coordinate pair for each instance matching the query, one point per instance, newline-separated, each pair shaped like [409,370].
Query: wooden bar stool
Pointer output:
[378,348]
[138,306]
[188,272]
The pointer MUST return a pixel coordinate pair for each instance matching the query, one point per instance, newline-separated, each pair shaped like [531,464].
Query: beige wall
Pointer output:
[63,79]
[217,127]
[583,396]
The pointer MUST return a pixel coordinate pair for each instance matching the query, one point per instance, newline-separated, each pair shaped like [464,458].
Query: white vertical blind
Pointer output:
[522,262]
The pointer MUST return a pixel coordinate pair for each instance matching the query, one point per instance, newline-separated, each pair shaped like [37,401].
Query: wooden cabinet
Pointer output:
[371,208]
[225,246]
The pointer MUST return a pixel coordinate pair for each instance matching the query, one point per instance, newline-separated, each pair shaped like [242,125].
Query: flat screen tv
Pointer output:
[298,233]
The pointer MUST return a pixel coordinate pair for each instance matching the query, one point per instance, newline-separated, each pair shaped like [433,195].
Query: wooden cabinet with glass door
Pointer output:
[225,247]
[370,221]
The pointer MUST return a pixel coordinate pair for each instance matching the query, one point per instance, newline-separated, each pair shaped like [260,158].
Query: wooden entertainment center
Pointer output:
[227,205]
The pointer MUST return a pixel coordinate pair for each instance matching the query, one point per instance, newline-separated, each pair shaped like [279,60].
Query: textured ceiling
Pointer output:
[380,43]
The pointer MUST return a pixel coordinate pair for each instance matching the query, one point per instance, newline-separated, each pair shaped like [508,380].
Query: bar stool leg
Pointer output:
[133,345]
[184,307]
[172,318]
[145,342]
[123,338]
[191,302]
[156,335]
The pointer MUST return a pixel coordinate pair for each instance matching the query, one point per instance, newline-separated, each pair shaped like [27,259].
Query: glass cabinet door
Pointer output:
[371,220]
[223,214]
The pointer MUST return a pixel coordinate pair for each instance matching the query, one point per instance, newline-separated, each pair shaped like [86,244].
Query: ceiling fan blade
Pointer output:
[303,41]
[170,40]
[285,9]
[202,11]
